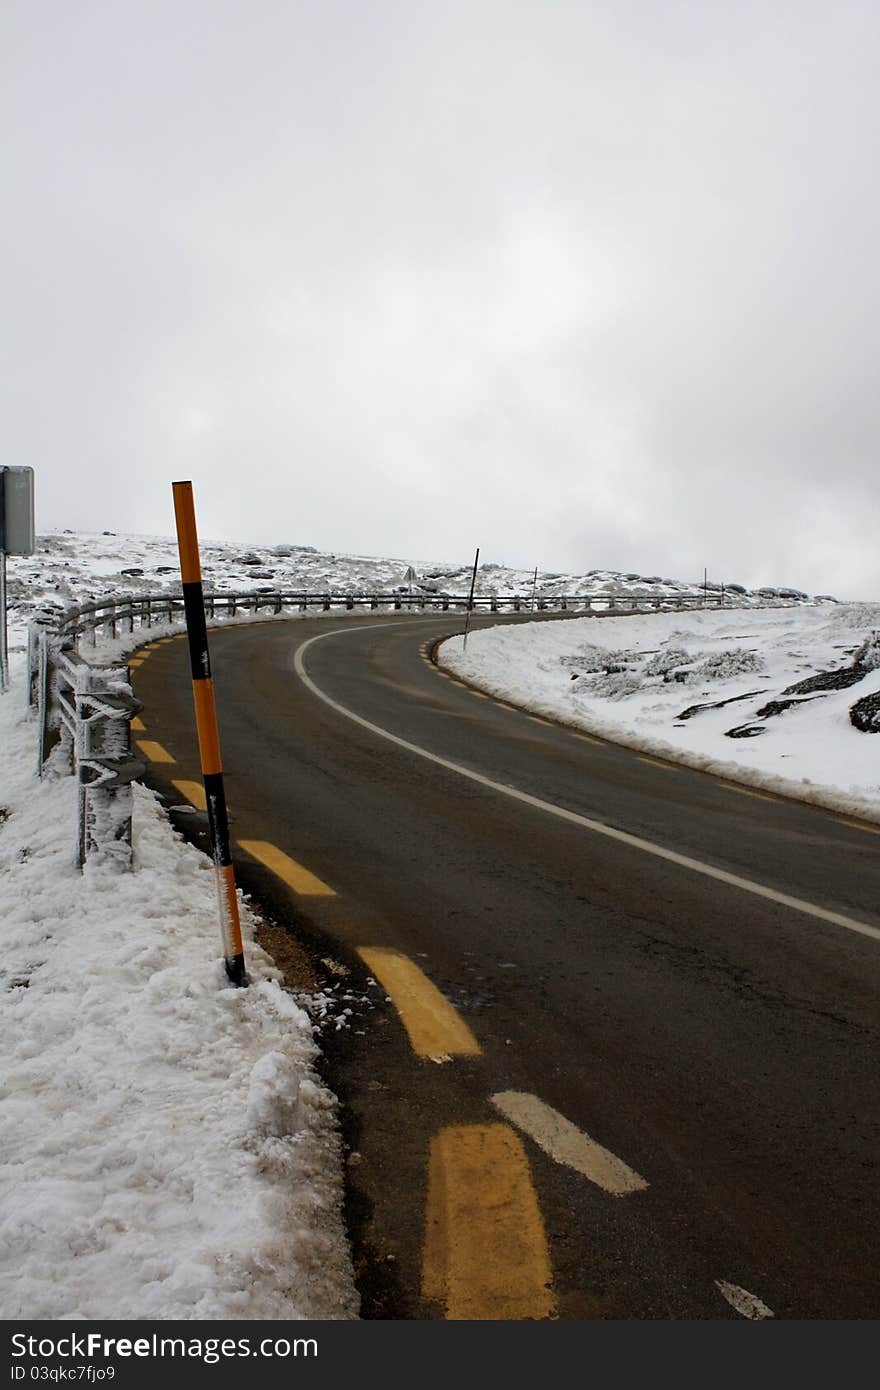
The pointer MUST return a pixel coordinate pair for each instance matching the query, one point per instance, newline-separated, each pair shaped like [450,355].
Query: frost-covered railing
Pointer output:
[121,616]
[84,714]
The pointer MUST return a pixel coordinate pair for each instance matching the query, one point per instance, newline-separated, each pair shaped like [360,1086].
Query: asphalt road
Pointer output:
[719,1045]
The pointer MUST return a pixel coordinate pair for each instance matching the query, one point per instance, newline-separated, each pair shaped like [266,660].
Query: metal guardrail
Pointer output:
[123,616]
[85,708]
[84,715]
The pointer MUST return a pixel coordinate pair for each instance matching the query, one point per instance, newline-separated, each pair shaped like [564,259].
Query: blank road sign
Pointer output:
[17,511]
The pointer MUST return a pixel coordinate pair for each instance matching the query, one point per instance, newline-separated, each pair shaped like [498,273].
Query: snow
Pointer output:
[631,679]
[168,1150]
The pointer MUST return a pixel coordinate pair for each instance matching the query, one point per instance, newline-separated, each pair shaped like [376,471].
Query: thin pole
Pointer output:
[206,724]
[534,587]
[4,649]
[470,602]
[705,587]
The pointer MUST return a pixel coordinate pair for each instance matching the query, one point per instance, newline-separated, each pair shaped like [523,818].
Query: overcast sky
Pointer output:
[588,285]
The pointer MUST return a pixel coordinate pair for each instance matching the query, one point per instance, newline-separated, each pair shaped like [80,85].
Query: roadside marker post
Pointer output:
[206,725]
[470,602]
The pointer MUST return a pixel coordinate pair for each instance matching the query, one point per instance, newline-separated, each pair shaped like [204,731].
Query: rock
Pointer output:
[865,714]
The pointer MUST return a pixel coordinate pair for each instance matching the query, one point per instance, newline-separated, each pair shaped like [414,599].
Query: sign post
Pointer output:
[16,538]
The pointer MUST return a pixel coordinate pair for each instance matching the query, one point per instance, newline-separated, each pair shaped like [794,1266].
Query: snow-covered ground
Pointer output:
[657,682]
[167,1148]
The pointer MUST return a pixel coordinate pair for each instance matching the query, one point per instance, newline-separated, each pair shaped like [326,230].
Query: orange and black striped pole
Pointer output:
[206,724]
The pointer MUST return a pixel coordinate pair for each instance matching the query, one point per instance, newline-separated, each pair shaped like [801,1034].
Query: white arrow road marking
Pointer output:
[567,1144]
[744,1302]
[684,861]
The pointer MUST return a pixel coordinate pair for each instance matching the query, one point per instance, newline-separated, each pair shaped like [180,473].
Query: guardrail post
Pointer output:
[105,769]
[38,631]
[51,729]
[43,699]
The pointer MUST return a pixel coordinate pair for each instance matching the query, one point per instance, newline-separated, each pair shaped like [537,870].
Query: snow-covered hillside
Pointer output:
[68,568]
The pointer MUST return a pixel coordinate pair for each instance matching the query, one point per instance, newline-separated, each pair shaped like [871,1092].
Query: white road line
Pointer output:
[744,1302]
[567,1144]
[683,861]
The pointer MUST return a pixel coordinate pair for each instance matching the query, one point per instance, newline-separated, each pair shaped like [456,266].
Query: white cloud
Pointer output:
[391,278]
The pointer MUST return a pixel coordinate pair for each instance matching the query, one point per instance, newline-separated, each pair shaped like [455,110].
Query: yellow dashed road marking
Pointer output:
[858,825]
[136,661]
[154,751]
[434,1028]
[536,719]
[568,1145]
[655,762]
[481,695]
[485,1253]
[194,792]
[588,738]
[744,791]
[301,880]
[138,725]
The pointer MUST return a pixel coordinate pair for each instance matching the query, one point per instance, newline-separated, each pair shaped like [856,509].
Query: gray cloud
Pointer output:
[583,285]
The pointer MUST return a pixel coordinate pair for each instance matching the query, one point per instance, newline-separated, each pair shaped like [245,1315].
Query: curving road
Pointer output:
[619,1055]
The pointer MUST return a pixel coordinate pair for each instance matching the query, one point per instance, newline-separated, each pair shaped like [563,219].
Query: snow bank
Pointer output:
[167,1150]
[695,687]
